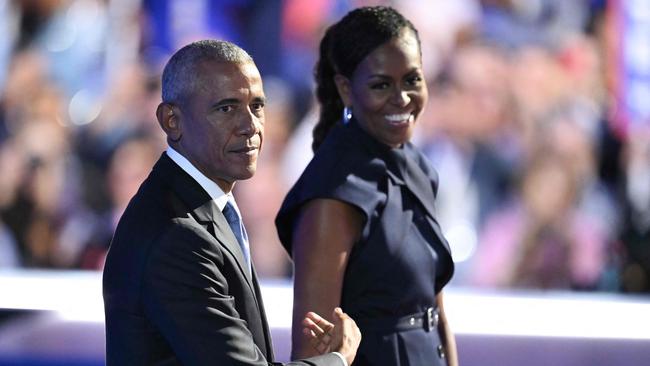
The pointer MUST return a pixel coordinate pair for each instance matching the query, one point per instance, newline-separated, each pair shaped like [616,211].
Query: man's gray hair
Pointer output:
[179,75]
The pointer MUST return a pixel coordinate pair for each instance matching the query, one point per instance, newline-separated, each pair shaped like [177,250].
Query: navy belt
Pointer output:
[427,320]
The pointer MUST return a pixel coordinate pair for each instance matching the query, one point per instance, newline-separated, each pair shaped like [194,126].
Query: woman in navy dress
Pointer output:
[360,222]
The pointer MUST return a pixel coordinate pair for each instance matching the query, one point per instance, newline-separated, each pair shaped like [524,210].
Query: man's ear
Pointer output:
[169,120]
[344,88]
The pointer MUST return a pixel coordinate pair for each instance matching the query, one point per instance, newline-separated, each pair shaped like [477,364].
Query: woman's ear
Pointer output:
[344,88]
[169,121]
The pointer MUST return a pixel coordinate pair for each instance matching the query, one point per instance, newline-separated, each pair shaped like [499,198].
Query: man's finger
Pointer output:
[310,324]
[319,343]
[309,333]
[323,323]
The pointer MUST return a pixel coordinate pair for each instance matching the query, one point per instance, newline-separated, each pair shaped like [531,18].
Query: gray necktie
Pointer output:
[237,227]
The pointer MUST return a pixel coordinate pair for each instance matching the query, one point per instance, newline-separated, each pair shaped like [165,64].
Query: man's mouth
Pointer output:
[248,150]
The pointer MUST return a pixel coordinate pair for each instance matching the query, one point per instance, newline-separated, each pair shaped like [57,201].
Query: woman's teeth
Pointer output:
[399,118]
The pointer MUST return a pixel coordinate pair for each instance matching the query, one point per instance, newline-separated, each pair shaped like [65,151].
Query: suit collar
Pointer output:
[215,192]
[203,209]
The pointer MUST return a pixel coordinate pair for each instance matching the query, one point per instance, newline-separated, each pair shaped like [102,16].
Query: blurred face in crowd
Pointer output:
[220,124]
[481,95]
[128,168]
[548,190]
[387,91]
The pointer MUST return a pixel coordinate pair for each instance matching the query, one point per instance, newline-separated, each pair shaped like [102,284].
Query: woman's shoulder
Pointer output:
[342,156]
[342,169]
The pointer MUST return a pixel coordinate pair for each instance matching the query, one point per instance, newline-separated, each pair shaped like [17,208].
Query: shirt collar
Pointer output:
[216,193]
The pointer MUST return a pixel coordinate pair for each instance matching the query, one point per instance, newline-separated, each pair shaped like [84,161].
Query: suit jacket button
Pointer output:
[441,351]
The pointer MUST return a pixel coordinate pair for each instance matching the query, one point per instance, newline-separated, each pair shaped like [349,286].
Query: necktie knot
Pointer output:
[237,227]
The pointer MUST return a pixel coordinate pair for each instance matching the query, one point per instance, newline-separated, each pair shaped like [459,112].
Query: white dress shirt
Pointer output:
[216,193]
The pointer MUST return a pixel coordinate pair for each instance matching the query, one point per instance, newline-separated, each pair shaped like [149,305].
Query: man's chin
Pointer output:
[248,172]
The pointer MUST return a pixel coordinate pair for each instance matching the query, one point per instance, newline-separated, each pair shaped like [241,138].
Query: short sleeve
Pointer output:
[360,183]
[362,191]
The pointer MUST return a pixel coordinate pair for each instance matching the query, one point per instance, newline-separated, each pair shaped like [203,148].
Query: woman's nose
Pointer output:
[401,98]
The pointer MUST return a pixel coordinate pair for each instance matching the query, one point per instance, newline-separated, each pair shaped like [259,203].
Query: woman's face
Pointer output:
[387,91]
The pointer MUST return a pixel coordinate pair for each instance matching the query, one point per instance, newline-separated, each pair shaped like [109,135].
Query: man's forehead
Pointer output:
[229,77]
[229,69]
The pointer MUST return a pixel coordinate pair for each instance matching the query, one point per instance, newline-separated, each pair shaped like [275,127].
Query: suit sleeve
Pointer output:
[186,296]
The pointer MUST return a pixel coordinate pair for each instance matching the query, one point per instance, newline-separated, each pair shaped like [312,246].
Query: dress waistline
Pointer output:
[427,319]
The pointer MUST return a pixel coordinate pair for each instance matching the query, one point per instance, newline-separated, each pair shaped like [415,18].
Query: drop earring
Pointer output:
[347,115]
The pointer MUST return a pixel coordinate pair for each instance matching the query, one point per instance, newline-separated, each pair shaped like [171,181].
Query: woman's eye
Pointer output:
[379,86]
[414,80]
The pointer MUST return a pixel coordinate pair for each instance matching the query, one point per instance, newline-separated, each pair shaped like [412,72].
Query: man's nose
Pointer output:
[249,124]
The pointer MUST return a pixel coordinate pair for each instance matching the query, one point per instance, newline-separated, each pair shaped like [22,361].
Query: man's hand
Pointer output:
[342,336]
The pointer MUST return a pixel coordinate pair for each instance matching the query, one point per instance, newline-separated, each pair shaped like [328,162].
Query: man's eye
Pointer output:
[257,106]
[225,108]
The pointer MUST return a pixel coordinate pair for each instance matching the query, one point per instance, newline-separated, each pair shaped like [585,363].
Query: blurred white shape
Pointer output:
[89,19]
[278,298]
[77,296]
[463,240]
[548,314]
[62,37]
[84,108]
[639,96]
[638,9]
[637,49]
[85,10]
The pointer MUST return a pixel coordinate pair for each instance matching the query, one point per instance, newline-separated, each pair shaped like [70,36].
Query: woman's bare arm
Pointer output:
[446,336]
[323,238]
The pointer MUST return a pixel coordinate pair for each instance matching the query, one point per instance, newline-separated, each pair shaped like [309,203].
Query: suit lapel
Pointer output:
[205,212]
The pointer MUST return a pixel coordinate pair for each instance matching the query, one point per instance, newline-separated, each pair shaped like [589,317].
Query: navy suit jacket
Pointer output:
[176,287]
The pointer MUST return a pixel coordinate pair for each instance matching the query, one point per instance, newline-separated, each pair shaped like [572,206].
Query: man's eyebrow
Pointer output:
[259,100]
[226,101]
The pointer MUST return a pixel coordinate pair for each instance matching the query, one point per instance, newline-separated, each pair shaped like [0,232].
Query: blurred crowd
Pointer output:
[541,186]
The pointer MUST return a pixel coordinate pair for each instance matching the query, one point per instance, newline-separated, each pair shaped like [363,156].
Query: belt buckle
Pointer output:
[430,319]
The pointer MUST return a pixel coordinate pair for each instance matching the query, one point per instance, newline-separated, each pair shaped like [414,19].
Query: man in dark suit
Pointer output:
[179,287]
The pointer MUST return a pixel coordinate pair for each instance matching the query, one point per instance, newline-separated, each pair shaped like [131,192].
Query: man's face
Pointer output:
[222,121]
